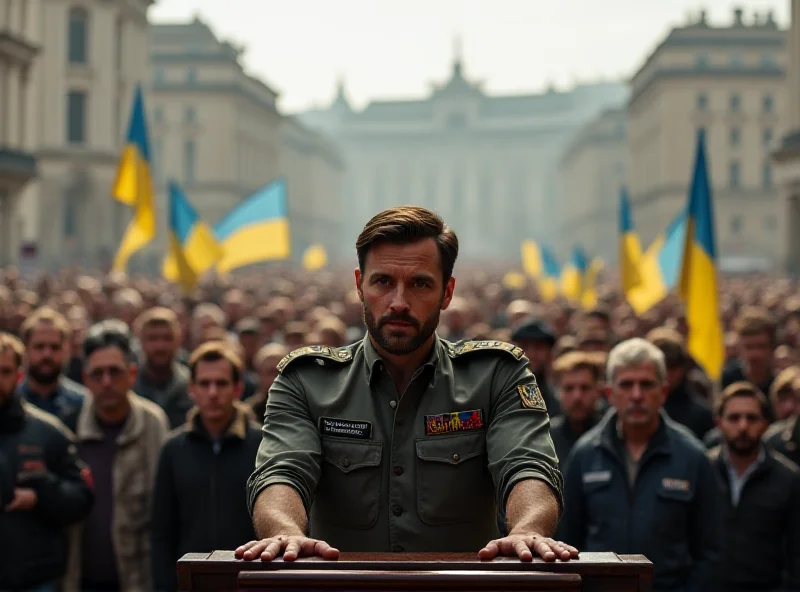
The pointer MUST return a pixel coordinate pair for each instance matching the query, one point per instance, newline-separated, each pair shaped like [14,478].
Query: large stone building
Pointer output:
[729,81]
[20,42]
[487,163]
[787,156]
[593,173]
[94,55]
[217,132]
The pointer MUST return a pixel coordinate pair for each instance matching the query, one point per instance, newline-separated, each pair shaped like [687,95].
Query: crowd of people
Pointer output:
[130,419]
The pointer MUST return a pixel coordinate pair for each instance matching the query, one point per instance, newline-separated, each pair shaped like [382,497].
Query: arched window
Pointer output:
[78,36]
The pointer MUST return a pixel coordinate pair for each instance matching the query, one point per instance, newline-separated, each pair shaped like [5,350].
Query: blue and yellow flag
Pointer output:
[315,258]
[630,249]
[698,280]
[134,185]
[193,249]
[589,297]
[255,230]
[660,267]
[539,263]
[573,276]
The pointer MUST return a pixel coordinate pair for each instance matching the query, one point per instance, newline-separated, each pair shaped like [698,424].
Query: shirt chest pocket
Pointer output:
[453,481]
[349,488]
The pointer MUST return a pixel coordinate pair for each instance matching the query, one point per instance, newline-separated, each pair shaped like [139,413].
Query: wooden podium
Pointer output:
[596,572]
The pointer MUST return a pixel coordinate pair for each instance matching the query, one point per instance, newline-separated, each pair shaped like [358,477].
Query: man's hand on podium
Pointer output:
[291,547]
[523,547]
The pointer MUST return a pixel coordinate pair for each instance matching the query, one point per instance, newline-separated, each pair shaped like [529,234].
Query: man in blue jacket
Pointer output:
[639,483]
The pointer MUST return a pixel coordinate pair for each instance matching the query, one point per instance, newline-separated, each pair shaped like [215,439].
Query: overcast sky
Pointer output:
[389,49]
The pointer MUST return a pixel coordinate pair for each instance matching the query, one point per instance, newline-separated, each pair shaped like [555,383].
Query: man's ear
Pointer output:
[359,280]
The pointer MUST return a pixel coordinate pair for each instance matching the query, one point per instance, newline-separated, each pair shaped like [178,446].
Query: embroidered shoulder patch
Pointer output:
[465,347]
[320,352]
[531,397]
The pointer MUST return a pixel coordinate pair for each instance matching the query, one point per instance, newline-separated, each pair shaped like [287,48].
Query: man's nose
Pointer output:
[399,302]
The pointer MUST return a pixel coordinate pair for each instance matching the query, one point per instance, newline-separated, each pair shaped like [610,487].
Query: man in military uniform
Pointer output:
[404,441]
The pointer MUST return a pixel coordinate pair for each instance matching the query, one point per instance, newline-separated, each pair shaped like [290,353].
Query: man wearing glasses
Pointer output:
[119,436]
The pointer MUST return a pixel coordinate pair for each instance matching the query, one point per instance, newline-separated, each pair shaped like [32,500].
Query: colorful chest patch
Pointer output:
[458,421]
[531,396]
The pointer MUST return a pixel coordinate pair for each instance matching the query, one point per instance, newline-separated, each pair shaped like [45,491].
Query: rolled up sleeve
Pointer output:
[518,438]
[290,450]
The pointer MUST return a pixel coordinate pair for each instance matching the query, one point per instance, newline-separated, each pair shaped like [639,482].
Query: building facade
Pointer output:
[20,45]
[218,133]
[487,164]
[787,156]
[728,81]
[593,173]
[94,53]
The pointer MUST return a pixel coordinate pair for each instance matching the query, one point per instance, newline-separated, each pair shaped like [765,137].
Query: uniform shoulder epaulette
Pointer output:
[343,355]
[465,347]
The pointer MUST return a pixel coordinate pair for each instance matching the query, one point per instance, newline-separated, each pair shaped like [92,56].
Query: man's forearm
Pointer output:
[532,507]
[279,510]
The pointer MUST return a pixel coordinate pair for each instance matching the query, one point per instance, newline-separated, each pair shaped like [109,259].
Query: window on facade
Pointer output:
[78,36]
[159,75]
[737,224]
[701,61]
[735,137]
[734,175]
[457,120]
[768,60]
[158,115]
[191,75]
[76,117]
[766,175]
[189,115]
[189,161]
[767,137]
[767,104]
[702,102]
[736,102]
[736,60]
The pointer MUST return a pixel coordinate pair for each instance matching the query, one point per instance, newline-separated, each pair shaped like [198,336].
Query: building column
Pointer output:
[13,121]
[6,227]
[793,74]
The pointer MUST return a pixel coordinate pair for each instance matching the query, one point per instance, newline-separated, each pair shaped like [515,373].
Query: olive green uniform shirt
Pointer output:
[420,471]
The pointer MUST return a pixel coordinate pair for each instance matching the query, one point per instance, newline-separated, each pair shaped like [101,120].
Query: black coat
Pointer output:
[37,451]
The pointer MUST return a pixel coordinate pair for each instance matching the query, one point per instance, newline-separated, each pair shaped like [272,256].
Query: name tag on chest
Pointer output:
[345,428]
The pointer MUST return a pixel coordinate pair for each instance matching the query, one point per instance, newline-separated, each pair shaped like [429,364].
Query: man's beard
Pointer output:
[398,345]
[743,446]
[44,376]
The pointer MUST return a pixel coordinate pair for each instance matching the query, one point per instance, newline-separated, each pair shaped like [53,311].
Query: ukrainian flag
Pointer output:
[589,296]
[256,230]
[573,275]
[660,267]
[315,258]
[539,263]
[193,248]
[698,280]
[630,249]
[134,185]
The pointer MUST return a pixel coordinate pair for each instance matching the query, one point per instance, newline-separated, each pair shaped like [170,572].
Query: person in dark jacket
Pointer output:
[537,340]
[44,486]
[640,483]
[198,503]
[762,498]
[47,336]
[683,404]
[578,377]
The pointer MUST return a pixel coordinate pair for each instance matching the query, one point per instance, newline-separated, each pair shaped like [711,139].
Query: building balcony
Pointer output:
[17,49]
[16,169]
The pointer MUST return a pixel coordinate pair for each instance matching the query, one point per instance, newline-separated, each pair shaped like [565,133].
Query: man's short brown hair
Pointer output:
[158,316]
[755,320]
[10,343]
[49,316]
[578,360]
[211,351]
[670,342]
[785,383]
[745,390]
[409,224]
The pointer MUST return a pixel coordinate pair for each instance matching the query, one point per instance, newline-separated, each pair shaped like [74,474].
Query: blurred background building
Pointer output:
[487,163]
